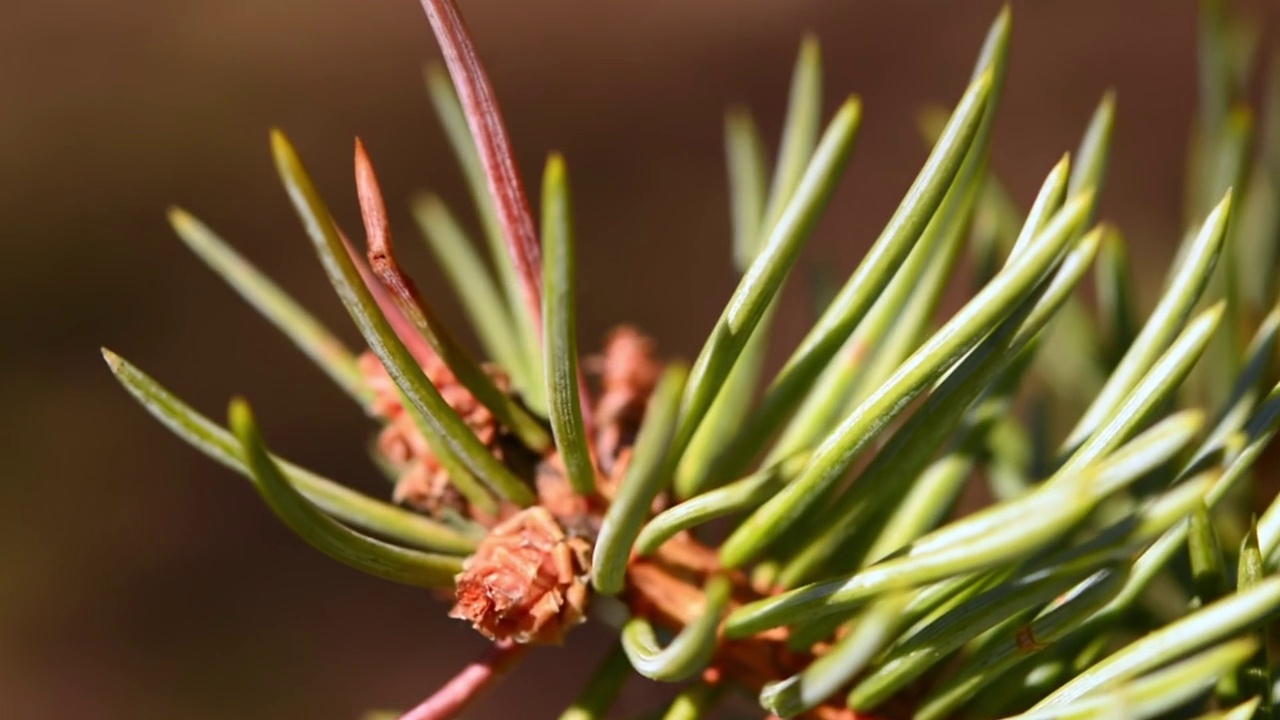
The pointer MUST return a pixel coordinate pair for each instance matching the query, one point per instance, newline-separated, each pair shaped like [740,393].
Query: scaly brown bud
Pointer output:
[526,582]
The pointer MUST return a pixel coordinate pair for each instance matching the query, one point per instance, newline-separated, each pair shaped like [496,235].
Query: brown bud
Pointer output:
[628,370]
[421,482]
[386,399]
[526,582]
[428,489]
[578,515]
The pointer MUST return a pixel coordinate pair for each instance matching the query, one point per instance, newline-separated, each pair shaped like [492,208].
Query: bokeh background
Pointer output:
[138,579]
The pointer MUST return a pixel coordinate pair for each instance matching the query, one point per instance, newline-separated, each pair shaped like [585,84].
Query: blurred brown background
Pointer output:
[139,580]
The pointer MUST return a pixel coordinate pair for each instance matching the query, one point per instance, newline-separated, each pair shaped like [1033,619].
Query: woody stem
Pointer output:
[468,684]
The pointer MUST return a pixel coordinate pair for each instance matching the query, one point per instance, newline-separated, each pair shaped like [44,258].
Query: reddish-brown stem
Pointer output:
[467,685]
[480,107]
[381,252]
[369,191]
[408,334]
